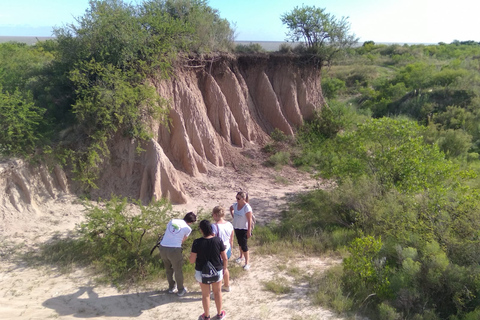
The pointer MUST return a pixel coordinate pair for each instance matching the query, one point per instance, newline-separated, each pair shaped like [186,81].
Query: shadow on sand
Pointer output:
[124,305]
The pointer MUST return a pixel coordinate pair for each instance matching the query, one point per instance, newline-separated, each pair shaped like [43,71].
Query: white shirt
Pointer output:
[176,230]
[223,231]
[240,220]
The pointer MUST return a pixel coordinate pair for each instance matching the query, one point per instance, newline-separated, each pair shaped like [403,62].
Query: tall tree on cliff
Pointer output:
[323,34]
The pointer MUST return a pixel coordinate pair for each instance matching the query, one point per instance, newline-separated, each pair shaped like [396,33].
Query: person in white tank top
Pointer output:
[224,230]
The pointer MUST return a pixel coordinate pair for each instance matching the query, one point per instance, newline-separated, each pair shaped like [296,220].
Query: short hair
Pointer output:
[190,217]
[206,228]
[219,210]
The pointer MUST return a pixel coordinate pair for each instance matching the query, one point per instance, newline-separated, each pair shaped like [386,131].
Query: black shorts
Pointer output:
[241,235]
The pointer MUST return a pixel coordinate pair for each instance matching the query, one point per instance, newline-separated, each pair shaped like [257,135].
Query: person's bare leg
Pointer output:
[226,278]
[247,255]
[217,293]
[206,298]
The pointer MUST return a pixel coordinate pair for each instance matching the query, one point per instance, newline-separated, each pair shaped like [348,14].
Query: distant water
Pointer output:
[267,45]
[27,40]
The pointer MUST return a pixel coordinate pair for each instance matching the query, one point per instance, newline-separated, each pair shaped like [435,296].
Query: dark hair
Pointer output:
[206,228]
[190,217]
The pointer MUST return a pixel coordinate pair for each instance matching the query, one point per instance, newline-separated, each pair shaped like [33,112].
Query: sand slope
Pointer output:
[45,293]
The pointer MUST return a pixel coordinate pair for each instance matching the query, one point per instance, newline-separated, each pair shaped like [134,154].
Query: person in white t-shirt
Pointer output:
[242,215]
[224,230]
[176,233]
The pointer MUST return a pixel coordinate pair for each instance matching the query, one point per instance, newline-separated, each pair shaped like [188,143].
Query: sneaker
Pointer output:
[182,292]
[222,315]
[226,289]
[173,290]
[246,267]
[238,260]
[204,317]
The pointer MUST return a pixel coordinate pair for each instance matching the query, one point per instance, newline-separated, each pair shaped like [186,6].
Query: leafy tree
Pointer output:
[322,33]
[208,31]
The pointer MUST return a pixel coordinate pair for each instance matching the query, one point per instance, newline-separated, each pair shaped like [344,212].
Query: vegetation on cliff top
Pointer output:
[74,93]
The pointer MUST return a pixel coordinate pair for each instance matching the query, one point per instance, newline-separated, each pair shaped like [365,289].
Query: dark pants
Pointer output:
[173,260]
[241,235]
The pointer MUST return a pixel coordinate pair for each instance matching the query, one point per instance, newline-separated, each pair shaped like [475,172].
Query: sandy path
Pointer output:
[44,293]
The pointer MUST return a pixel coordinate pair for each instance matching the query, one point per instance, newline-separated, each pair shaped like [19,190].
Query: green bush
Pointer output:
[20,121]
[122,238]
[331,87]
[278,285]
[279,159]
[250,48]
[455,143]
[328,292]
[365,273]
[387,312]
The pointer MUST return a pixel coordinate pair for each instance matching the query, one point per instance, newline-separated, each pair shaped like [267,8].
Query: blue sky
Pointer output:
[406,21]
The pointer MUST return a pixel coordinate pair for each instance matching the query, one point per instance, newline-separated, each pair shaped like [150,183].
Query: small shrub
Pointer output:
[328,291]
[363,276]
[121,238]
[279,159]
[455,143]
[20,121]
[386,312]
[278,286]
[285,48]
[331,87]
[278,135]
[250,48]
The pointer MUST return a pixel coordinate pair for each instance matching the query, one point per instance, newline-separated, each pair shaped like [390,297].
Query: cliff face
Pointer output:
[217,108]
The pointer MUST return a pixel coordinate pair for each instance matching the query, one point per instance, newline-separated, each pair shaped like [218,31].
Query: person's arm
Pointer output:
[249,221]
[193,257]
[186,236]
[231,239]
[223,254]
[231,211]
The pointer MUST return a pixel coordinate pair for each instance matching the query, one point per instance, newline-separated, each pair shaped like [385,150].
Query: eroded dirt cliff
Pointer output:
[219,108]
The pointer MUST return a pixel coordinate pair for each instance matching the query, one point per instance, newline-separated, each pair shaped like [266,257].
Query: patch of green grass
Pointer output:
[278,286]
[278,159]
[328,292]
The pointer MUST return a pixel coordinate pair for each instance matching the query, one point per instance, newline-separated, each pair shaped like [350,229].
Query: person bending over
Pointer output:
[176,233]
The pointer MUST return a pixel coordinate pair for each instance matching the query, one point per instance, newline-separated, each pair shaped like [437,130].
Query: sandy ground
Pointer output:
[45,293]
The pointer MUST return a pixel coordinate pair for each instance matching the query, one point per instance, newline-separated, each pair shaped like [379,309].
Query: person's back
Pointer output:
[223,231]
[176,231]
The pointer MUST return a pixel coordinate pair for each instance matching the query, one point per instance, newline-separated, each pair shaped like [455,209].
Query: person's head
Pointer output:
[242,196]
[218,213]
[190,218]
[206,228]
